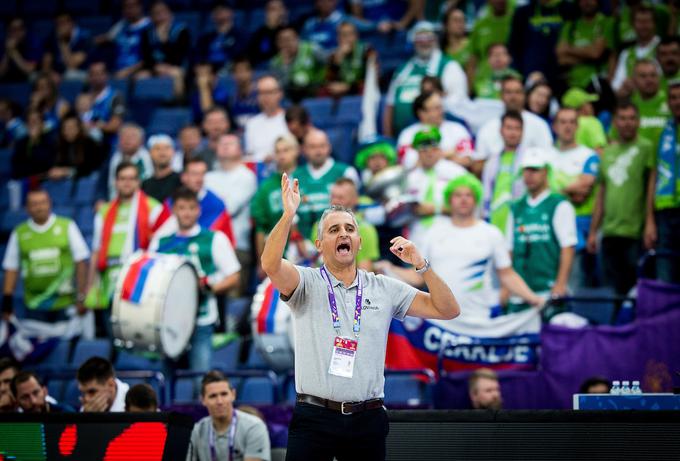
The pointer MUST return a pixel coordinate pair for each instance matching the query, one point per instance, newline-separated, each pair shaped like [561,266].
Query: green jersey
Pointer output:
[306,69]
[316,193]
[502,191]
[462,54]
[47,265]
[488,30]
[582,33]
[590,132]
[653,115]
[536,248]
[267,206]
[625,170]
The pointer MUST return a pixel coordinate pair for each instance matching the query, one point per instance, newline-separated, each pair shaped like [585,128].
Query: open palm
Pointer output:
[290,195]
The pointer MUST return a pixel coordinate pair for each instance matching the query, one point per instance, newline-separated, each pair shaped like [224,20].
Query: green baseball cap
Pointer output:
[427,138]
[576,97]
[376,146]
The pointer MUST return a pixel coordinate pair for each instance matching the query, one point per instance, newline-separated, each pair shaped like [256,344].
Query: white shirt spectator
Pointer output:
[535,133]
[236,188]
[79,250]
[260,134]
[455,137]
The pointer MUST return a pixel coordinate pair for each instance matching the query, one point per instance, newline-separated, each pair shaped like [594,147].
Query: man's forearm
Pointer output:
[276,244]
[516,285]
[227,283]
[566,260]
[81,277]
[441,295]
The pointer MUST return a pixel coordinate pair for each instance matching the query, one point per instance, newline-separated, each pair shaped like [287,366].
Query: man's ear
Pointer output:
[317,244]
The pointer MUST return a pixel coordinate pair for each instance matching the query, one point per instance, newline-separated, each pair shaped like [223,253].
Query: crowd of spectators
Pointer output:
[555,122]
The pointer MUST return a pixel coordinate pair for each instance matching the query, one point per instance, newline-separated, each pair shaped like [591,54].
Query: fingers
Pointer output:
[296,186]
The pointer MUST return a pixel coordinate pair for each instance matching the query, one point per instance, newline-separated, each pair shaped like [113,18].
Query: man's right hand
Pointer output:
[290,195]
[97,404]
[591,245]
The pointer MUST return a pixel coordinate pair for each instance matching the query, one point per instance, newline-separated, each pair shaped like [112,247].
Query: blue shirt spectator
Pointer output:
[242,101]
[126,35]
[12,127]
[165,42]
[223,44]
[67,48]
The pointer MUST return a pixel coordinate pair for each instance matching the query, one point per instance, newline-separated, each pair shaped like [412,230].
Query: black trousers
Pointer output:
[620,256]
[317,433]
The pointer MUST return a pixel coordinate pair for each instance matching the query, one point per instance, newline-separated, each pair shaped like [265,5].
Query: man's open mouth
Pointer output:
[343,248]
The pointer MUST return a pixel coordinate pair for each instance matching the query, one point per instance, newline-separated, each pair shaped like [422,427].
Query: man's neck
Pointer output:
[463,221]
[162,172]
[126,199]
[647,96]
[346,274]
[566,145]
[643,42]
[272,112]
[185,230]
[508,148]
[627,140]
[537,192]
[222,424]
[228,164]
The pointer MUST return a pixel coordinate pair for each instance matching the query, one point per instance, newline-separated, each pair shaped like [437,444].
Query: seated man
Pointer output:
[8,370]
[100,390]
[485,390]
[141,398]
[226,433]
[31,395]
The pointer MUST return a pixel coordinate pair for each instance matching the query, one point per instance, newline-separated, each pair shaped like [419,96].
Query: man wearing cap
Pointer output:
[426,182]
[466,251]
[456,141]
[489,140]
[589,131]
[663,227]
[405,85]
[574,173]
[164,180]
[341,318]
[541,232]
[627,166]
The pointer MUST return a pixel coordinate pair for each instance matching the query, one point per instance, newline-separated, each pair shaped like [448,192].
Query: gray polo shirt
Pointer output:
[384,298]
[250,441]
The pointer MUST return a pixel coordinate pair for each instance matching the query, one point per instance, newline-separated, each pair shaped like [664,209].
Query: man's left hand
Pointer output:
[406,251]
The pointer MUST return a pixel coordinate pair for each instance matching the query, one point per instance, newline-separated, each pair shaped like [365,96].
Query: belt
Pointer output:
[346,408]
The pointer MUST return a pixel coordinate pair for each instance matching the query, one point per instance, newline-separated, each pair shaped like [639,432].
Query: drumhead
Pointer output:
[178,316]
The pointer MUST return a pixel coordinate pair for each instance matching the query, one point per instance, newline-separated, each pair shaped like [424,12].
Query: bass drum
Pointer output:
[272,327]
[155,304]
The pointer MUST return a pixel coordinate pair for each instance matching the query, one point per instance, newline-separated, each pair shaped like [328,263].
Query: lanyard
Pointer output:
[334,305]
[232,439]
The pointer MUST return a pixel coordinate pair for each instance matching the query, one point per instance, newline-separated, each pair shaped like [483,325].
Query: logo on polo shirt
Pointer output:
[369,306]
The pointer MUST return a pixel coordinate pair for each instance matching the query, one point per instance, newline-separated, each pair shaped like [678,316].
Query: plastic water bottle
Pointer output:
[616,388]
[635,390]
[625,388]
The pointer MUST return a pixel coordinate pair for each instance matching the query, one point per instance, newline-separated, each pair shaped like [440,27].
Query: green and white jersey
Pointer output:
[211,254]
[46,255]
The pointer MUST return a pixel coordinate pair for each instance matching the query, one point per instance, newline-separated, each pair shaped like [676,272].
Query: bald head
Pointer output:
[316,147]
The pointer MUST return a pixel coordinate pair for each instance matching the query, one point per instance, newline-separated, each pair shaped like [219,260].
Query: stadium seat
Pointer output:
[256,391]
[71,393]
[404,391]
[95,25]
[86,348]
[341,137]
[320,110]
[157,89]
[57,357]
[84,218]
[226,357]
[349,109]
[67,211]
[17,92]
[12,219]
[120,85]
[184,391]
[255,359]
[60,191]
[70,89]
[82,7]
[134,361]
[168,120]
[86,189]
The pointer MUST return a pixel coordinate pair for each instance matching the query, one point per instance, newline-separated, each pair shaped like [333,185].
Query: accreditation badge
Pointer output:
[344,354]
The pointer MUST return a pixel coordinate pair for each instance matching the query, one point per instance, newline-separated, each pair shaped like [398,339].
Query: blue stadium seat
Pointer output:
[86,189]
[82,7]
[17,92]
[86,348]
[134,361]
[71,393]
[404,391]
[120,85]
[12,219]
[226,357]
[158,89]
[255,19]
[320,110]
[184,391]
[349,109]
[67,211]
[342,137]
[255,359]
[58,357]
[38,8]
[85,219]
[61,191]
[95,25]
[192,21]
[70,89]
[168,120]
[256,391]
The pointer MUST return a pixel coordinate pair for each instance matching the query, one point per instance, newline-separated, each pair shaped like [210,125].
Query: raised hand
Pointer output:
[406,251]
[290,195]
